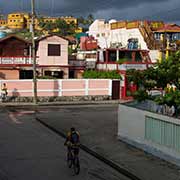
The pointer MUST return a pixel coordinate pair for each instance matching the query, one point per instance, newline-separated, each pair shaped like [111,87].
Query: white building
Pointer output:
[100,30]
[116,35]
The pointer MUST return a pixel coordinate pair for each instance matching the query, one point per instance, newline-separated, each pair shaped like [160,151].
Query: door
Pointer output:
[115,89]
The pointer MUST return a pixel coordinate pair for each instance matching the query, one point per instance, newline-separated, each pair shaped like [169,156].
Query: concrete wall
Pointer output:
[100,31]
[132,128]
[64,87]
[154,55]
[122,35]
[42,52]
[105,35]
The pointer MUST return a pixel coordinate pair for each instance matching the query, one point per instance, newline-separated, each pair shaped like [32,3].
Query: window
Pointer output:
[103,34]
[157,36]
[112,56]
[138,57]
[54,49]
[125,56]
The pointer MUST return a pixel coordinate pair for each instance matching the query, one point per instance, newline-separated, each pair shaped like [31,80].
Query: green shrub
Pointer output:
[140,95]
[46,77]
[92,74]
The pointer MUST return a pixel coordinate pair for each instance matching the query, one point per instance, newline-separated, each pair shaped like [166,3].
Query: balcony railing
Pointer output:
[77,62]
[122,67]
[16,60]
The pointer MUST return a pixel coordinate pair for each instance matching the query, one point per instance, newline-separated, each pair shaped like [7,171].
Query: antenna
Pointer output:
[21,4]
[52,7]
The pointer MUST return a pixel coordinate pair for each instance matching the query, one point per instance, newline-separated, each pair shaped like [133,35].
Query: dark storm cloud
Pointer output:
[168,10]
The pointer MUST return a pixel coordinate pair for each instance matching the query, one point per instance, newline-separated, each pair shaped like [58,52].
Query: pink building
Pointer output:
[52,52]
[52,58]
[88,43]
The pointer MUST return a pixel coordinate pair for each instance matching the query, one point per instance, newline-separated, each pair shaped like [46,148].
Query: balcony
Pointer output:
[16,60]
[77,63]
[122,67]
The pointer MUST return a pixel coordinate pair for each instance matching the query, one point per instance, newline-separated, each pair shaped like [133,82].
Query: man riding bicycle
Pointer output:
[4,92]
[72,141]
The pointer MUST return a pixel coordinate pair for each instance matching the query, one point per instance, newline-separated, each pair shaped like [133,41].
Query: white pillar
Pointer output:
[117,54]
[87,87]
[60,87]
[110,87]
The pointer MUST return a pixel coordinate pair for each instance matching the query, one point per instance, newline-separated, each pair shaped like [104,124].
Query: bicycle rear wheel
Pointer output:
[76,165]
[69,159]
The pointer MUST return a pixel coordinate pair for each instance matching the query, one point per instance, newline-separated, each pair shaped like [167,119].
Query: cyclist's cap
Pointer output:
[72,129]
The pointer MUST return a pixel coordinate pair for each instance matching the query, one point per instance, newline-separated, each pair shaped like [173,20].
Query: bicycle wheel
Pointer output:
[69,159]
[76,165]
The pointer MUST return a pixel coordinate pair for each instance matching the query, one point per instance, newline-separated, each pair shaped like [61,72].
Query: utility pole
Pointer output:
[33,52]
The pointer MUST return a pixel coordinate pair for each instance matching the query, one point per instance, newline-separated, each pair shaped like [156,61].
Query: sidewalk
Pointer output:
[62,103]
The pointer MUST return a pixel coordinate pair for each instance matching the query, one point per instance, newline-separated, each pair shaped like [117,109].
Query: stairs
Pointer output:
[148,36]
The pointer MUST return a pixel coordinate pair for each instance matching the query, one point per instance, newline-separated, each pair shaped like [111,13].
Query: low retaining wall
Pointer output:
[59,99]
[154,133]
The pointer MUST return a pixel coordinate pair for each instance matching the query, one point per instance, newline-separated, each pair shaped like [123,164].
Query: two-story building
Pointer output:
[148,35]
[52,52]
[122,60]
[51,58]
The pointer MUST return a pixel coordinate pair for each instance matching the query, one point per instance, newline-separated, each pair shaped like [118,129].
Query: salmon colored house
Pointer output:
[51,58]
[52,52]
[15,59]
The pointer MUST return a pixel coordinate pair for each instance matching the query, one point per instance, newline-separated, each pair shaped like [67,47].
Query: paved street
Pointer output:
[98,128]
[29,151]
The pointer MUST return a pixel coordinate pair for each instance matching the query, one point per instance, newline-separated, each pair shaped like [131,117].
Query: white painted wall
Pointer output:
[154,55]
[99,27]
[131,129]
[100,31]
[122,35]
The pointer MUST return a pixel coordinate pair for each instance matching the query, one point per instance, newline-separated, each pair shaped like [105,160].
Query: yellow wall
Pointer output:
[16,20]
[23,20]
[3,22]
[68,19]
[79,30]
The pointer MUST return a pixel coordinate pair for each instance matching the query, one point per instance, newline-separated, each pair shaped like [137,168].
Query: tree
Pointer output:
[90,19]
[81,20]
[85,22]
[47,26]
[167,71]
[65,29]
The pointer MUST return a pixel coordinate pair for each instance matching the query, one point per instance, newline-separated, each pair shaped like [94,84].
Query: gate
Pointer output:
[115,89]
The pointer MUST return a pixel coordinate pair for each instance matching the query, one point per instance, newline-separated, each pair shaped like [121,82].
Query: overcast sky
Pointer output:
[166,10]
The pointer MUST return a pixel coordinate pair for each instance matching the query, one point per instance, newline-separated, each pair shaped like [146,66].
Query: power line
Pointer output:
[160,13]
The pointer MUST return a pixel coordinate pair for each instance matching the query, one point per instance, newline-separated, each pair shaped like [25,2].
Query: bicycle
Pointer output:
[73,160]
[3,97]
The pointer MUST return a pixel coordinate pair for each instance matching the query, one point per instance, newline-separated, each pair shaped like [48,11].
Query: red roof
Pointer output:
[169,28]
[14,36]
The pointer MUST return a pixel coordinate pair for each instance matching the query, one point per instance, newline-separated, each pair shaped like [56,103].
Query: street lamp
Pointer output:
[33,52]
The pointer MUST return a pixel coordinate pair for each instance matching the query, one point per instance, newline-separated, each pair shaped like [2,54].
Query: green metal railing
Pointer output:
[162,132]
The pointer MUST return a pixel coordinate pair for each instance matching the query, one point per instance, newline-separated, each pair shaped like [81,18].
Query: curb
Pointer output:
[62,103]
[106,161]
